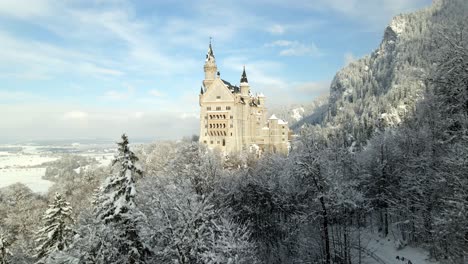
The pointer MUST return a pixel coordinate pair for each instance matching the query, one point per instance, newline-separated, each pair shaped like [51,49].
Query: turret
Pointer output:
[209,68]
[261,100]
[244,84]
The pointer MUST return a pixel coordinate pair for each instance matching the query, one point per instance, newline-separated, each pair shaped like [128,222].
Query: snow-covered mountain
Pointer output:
[382,88]
[297,114]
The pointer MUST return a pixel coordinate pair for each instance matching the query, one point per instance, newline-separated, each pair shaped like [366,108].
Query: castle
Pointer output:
[232,119]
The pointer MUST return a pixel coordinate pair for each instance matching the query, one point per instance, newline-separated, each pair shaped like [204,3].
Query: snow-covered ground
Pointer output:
[31,177]
[26,163]
[384,250]
[24,167]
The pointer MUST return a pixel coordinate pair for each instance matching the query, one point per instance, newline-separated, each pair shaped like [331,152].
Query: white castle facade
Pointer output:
[233,120]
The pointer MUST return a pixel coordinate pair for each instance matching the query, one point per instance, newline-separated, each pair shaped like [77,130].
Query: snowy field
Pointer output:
[26,163]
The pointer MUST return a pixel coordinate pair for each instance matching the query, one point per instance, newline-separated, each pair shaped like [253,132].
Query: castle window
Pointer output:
[283,133]
[218,142]
[204,141]
[224,116]
[283,127]
[224,142]
[232,125]
[208,108]
[283,139]
[228,108]
[231,117]
[211,142]
[231,134]
[206,117]
[218,108]
[218,97]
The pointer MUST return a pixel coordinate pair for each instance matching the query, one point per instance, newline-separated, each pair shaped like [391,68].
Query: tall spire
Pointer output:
[210,67]
[244,77]
[210,54]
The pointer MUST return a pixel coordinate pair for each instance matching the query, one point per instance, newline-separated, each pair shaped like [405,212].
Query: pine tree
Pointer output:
[116,210]
[4,252]
[56,233]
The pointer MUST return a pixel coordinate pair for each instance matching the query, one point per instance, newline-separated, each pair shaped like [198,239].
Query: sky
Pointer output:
[95,69]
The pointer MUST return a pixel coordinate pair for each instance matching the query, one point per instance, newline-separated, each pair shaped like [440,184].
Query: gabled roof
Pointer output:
[233,88]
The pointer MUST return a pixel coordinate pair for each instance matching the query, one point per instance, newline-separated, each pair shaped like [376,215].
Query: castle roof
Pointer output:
[210,57]
[273,117]
[233,88]
[244,77]
[282,122]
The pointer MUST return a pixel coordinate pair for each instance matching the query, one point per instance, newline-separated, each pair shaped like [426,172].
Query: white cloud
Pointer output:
[277,29]
[373,15]
[155,93]
[139,115]
[280,43]
[262,74]
[8,96]
[190,115]
[295,48]
[91,68]
[80,115]
[120,95]
[116,95]
[25,9]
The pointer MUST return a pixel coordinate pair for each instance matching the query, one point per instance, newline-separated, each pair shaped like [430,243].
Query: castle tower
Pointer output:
[210,68]
[232,119]
[244,84]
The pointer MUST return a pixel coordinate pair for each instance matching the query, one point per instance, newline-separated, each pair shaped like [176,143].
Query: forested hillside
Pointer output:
[383,87]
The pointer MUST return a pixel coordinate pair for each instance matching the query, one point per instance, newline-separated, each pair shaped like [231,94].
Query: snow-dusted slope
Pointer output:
[382,88]
[296,115]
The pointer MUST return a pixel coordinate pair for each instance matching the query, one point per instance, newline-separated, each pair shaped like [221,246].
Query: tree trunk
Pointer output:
[326,237]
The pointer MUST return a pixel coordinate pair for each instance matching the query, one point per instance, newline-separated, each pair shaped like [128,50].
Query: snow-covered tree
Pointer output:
[4,251]
[186,228]
[56,233]
[119,220]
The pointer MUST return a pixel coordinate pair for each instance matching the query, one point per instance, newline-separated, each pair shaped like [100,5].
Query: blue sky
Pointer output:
[95,69]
